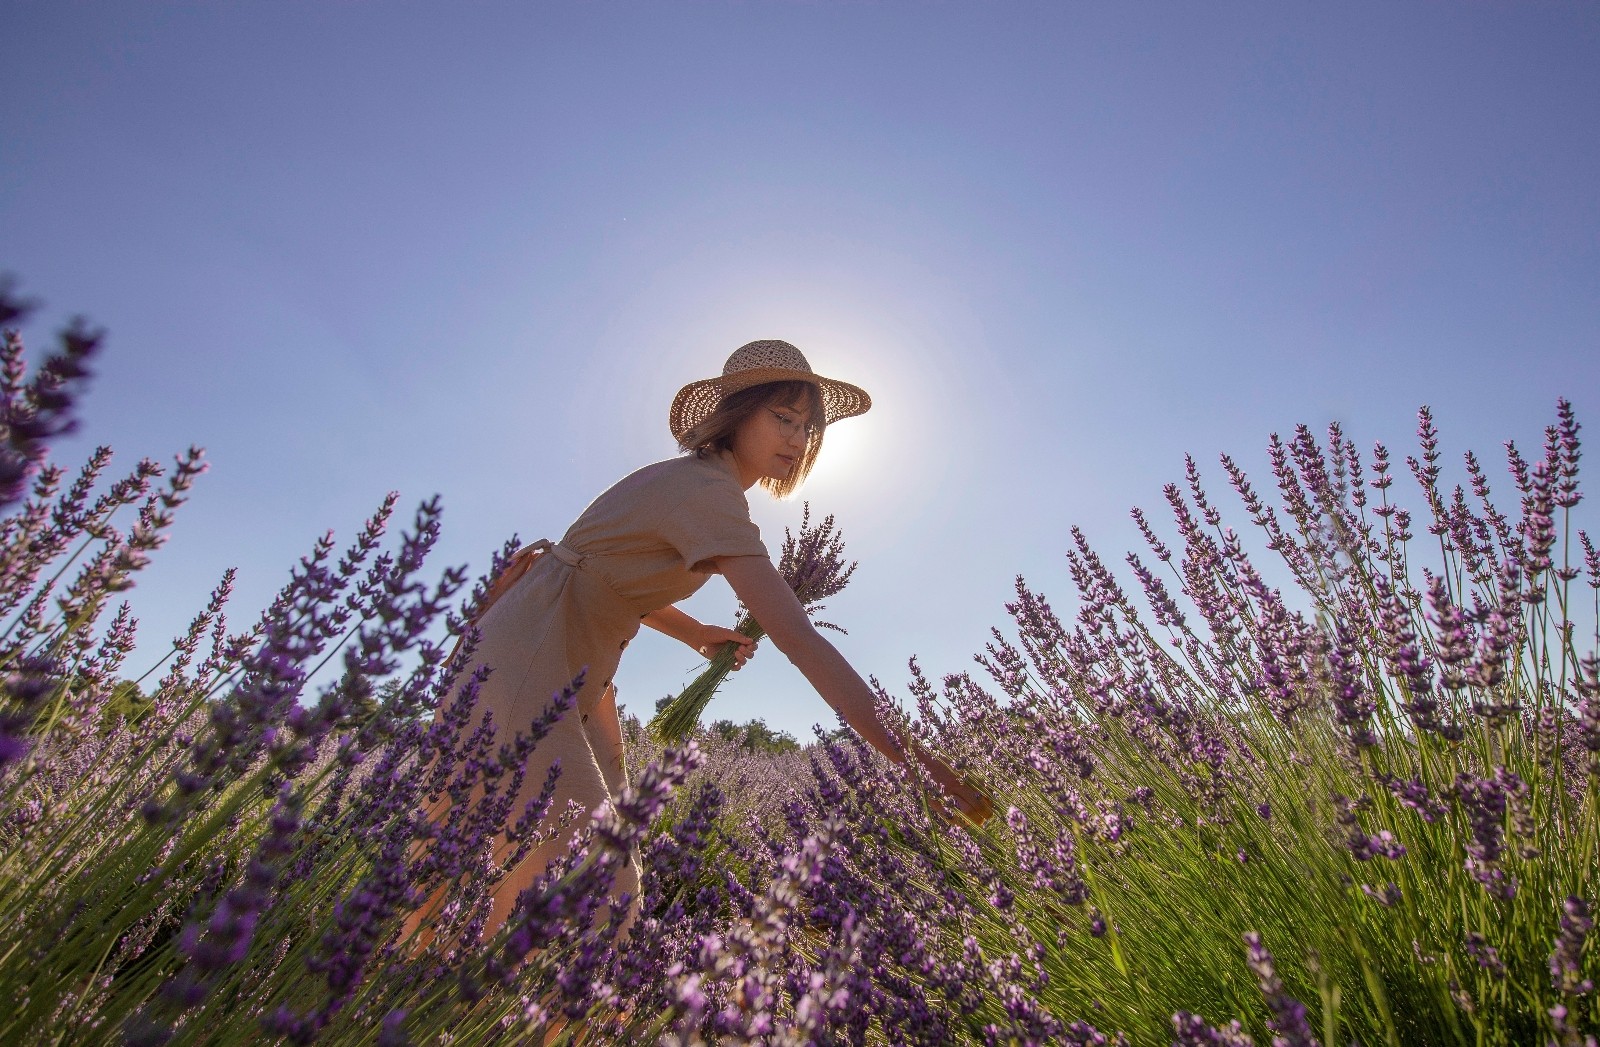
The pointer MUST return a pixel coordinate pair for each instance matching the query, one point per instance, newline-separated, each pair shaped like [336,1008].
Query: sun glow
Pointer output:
[882,470]
[907,339]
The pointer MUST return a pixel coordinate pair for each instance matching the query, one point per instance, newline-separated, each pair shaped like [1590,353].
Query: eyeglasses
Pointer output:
[789,426]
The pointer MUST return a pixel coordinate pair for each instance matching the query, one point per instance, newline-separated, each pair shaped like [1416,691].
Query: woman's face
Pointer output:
[771,440]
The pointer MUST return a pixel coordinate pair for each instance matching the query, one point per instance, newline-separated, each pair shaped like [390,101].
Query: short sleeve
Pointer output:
[713,519]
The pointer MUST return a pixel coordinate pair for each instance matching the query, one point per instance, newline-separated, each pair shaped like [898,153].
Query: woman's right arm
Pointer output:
[703,638]
[773,603]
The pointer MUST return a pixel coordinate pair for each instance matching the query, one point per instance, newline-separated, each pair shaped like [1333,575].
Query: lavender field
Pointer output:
[1326,779]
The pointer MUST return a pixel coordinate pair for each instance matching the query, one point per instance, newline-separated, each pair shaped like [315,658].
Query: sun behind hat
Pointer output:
[756,363]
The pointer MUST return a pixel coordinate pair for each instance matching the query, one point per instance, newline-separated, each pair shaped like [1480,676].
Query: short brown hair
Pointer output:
[715,433]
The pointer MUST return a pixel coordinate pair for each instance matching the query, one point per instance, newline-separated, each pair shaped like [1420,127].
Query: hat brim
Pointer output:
[695,401]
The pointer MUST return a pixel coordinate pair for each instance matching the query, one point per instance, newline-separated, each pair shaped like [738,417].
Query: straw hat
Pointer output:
[757,363]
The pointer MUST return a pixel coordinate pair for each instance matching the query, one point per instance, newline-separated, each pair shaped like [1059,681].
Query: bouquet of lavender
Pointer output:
[813,564]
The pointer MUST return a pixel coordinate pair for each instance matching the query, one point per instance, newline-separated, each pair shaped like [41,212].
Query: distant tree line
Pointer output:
[754,735]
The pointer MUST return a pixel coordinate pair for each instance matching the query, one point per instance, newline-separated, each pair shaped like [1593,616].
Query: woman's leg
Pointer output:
[581,782]
[604,731]
[576,741]
[605,738]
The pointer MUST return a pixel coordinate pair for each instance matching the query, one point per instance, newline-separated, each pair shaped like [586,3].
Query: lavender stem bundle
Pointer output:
[813,564]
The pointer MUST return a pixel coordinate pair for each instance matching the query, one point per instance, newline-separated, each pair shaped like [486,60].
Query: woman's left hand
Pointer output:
[709,638]
[963,790]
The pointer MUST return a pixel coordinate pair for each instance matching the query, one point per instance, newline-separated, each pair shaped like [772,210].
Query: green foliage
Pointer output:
[755,736]
[127,702]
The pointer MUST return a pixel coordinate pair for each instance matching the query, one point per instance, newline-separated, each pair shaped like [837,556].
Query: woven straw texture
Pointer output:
[756,363]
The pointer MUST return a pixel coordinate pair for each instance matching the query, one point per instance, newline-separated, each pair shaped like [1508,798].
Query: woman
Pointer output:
[651,540]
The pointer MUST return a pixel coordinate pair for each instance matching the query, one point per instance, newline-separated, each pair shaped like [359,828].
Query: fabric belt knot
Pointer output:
[568,556]
[519,565]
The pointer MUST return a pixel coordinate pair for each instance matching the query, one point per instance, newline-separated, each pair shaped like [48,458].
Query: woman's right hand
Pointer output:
[708,639]
[705,639]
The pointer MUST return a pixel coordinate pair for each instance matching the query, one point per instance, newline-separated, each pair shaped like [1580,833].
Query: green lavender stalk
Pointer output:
[813,564]
[679,718]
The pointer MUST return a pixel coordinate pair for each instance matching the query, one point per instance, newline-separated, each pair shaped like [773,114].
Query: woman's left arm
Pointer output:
[773,603]
[697,634]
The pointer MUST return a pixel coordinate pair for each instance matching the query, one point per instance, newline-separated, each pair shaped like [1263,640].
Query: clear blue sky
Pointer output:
[473,249]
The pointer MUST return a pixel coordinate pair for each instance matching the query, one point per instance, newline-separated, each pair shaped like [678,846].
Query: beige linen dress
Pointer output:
[645,543]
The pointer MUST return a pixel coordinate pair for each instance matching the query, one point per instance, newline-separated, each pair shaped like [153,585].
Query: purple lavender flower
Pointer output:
[1486,802]
[392,1033]
[1007,665]
[225,938]
[1588,685]
[1452,634]
[1404,654]
[1289,1019]
[1566,960]
[35,412]
[1538,527]
[1362,846]
[1353,706]
[1387,896]
[1191,1030]
[359,923]
[1565,454]
[1082,1034]
[1591,559]
[1156,545]
[1383,845]
[33,679]
[1561,1025]
[1500,635]
[1166,609]
[1487,956]
[1414,794]
[633,811]
[1055,872]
